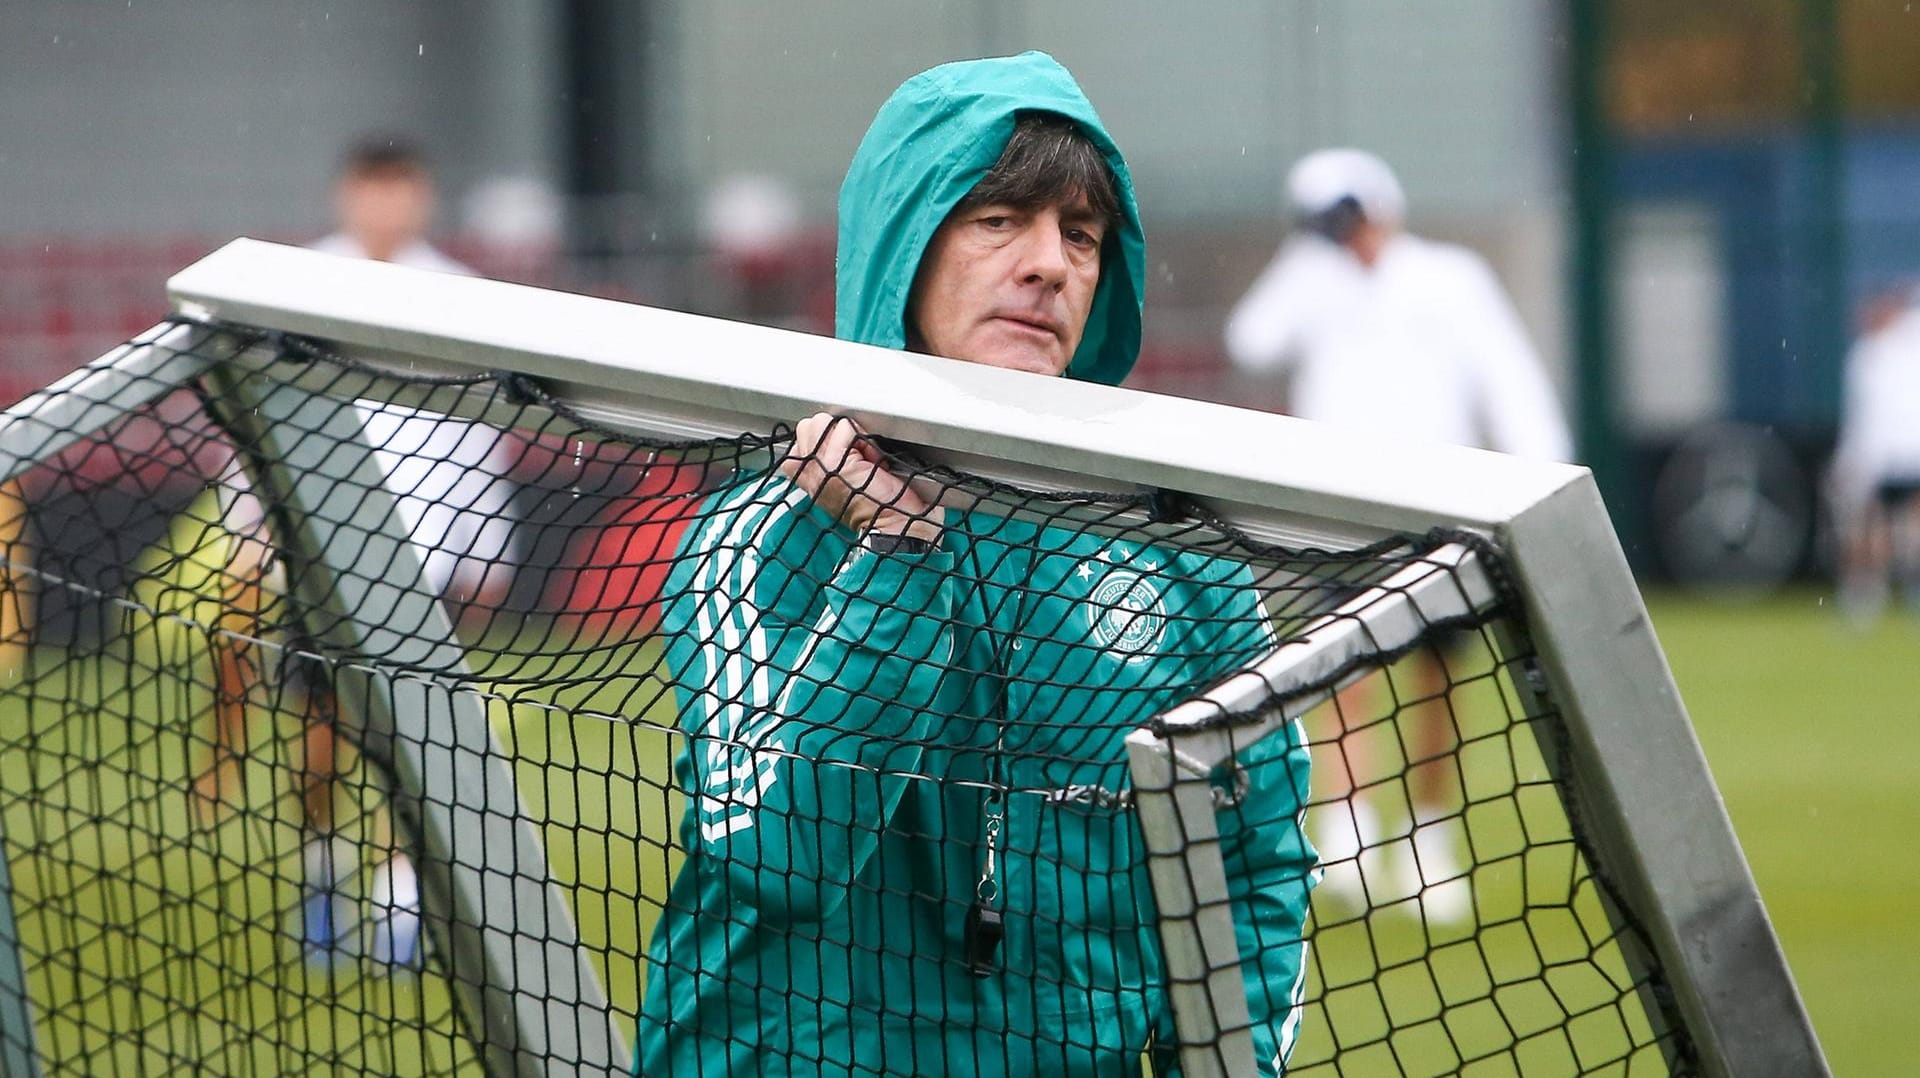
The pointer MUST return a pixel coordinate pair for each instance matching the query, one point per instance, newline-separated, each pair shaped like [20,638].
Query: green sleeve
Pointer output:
[1269,863]
[829,753]
[1270,867]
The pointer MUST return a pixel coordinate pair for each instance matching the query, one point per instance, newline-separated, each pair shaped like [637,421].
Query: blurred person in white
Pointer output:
[383,204]
[449,474]
[448,479]
[1378,329]
[1874,481]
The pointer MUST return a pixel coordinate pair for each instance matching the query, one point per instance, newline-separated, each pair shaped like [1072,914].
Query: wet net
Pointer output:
[398,725]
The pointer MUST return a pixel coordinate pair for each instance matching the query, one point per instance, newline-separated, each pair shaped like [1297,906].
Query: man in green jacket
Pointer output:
[895,711]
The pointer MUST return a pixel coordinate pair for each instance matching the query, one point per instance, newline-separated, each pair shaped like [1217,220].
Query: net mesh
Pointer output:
[805,806]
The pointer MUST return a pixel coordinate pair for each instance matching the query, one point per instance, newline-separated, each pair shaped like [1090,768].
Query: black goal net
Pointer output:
[397,724]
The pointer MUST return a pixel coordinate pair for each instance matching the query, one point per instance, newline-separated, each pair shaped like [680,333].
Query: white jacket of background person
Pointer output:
[1422,345]
[1880,422]
[448,475]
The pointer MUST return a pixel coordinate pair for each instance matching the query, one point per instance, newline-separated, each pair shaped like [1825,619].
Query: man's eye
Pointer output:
[996,221]
[1080,237]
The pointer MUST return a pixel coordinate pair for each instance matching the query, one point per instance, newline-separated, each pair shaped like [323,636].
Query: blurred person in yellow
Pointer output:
[18,559]
[1873,483]
[1377,329]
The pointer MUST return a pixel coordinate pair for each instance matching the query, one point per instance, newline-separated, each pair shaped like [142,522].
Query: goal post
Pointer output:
[532,997]
[1361,551]
[1173,761]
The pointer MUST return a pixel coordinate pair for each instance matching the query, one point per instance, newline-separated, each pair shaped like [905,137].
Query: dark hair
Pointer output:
[1047,161]
[383,155]
[1339,222]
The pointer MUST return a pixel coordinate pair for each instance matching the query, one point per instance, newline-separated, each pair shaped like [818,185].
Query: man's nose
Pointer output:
[1043,253]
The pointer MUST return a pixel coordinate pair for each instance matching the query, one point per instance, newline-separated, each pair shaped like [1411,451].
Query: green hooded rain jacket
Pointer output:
[848,712]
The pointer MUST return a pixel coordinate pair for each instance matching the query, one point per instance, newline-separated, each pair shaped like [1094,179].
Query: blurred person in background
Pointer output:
[1378,329]
[18,561]
[448,479]
[448,473]
[383,204]
[1874,481]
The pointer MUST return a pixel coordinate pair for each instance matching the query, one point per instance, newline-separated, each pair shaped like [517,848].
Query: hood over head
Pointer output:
[930,144]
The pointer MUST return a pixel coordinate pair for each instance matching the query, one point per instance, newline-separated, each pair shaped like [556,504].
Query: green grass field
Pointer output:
[1801,721]
[1812,735]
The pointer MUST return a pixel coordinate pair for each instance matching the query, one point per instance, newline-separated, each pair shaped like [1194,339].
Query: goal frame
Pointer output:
[1660,831]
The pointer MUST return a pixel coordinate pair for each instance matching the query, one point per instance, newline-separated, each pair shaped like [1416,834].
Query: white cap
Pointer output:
[1321,179]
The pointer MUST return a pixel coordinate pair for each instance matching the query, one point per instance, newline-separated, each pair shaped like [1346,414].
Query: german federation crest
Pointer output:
[1127,616]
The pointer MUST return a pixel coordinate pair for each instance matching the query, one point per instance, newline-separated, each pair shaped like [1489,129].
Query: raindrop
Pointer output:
[423,49]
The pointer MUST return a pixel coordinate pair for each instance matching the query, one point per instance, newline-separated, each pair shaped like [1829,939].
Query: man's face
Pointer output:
[1009,287]
[1370,241]
[384,210]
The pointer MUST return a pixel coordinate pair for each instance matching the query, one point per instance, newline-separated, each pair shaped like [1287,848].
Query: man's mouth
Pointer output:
[1039,323]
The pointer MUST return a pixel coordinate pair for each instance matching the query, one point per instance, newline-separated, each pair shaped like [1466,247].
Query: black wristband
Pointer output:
[898,543]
